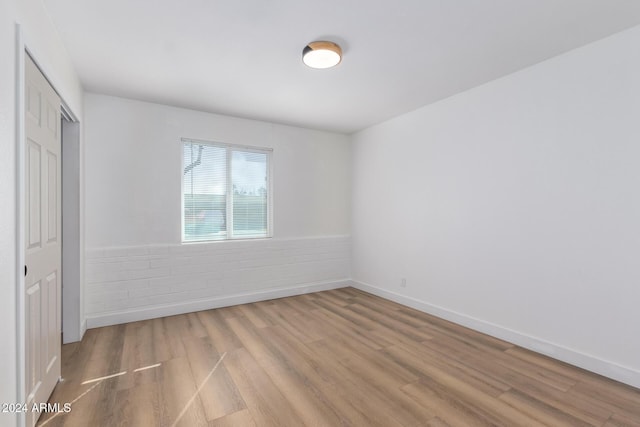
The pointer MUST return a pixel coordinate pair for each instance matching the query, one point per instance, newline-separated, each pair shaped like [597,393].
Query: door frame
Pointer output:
[24,48]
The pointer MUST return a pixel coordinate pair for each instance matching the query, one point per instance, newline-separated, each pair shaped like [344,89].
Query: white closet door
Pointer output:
[42,238]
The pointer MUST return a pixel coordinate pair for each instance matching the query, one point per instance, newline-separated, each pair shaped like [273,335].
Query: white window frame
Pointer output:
[229,205]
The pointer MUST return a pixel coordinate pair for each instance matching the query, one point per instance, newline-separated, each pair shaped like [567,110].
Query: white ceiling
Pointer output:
[243,57]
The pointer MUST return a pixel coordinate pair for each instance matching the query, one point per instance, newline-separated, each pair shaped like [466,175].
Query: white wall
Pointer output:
[72,243]
[514,207]
[133,204]
[44,43]
[134,162]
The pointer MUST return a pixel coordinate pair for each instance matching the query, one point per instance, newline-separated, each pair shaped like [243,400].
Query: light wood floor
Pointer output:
[332,358]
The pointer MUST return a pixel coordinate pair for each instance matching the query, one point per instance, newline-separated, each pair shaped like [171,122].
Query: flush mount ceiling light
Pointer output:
[321,54]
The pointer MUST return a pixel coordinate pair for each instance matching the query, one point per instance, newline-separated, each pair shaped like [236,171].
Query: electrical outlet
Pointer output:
[403,283]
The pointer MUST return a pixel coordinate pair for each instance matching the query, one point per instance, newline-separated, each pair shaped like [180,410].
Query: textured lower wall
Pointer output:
[140,282]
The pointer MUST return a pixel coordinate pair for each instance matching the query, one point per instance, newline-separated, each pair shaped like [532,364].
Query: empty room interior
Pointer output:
[292,213]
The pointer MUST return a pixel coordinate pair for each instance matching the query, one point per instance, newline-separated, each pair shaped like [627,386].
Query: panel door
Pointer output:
[42,238]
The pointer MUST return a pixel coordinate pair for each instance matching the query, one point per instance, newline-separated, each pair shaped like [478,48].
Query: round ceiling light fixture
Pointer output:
[321,54]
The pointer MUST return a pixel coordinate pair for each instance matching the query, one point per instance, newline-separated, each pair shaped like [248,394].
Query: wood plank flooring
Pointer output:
[334,358]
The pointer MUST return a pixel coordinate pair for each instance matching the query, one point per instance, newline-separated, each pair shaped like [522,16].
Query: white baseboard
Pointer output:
[591,363]
[83,328]
[68,338]
[152,312]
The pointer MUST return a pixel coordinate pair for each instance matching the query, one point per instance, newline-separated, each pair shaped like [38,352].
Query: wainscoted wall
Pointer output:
[136,266]
[131,283]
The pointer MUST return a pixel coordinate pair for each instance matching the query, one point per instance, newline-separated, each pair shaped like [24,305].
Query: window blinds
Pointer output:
[225,191]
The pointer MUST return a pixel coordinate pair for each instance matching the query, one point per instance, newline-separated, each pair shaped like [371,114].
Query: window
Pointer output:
[225,191]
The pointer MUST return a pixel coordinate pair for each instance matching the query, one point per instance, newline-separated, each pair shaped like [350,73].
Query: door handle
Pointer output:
[25,271]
